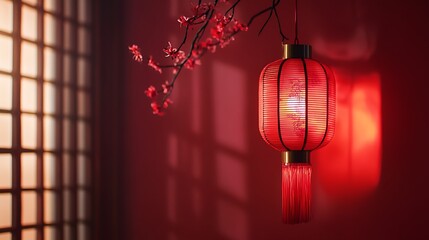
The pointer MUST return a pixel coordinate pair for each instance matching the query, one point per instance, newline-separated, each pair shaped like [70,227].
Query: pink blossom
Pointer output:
[239,26]
[221,20]
[201,9]
[151,63]
[156,109]
[179,56]
[166,103]
[175,70]
[170,51]
[217,32]
[226,41]
[217,17]
[194,8]
[211,48]
[166,87]
[200,48]
[191,62]
[151,92]
[197,51]
[184,21]
[135,50]
[208,44]
[202,18]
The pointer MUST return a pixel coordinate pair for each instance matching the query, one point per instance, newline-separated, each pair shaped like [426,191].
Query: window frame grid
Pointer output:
[59,116]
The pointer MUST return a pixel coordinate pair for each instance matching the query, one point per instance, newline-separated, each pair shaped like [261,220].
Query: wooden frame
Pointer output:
[81,98]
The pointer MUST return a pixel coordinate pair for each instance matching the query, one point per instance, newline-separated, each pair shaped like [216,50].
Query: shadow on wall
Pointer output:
[207,184]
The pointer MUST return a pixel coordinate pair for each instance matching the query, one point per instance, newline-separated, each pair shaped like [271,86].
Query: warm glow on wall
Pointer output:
[350,166]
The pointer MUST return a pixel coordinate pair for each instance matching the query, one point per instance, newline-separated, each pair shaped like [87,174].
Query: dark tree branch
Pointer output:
[284,38]
[262,12]
[266,22]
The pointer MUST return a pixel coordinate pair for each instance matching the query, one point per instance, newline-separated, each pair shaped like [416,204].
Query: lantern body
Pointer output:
[296,116]
[296,104]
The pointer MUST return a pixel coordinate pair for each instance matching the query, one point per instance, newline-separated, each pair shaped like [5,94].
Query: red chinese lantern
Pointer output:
[296,116]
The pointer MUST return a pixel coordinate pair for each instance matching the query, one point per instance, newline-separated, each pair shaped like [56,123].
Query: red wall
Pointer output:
[203,172]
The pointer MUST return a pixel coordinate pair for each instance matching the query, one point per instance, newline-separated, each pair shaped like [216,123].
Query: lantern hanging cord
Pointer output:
[296,23]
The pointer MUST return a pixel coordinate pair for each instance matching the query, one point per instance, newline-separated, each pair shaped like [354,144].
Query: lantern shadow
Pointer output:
[349,167]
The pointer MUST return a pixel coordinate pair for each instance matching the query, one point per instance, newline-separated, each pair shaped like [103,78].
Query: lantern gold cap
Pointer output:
[296,157]
[296,51]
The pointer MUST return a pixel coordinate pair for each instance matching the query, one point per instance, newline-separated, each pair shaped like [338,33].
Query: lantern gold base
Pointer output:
[296,157]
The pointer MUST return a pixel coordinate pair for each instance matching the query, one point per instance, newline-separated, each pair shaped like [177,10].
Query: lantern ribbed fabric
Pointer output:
[296,104]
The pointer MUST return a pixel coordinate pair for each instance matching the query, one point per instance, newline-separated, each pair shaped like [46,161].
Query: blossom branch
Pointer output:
[223,28]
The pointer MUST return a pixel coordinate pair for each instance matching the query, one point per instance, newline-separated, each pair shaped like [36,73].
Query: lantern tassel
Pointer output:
[296,193]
